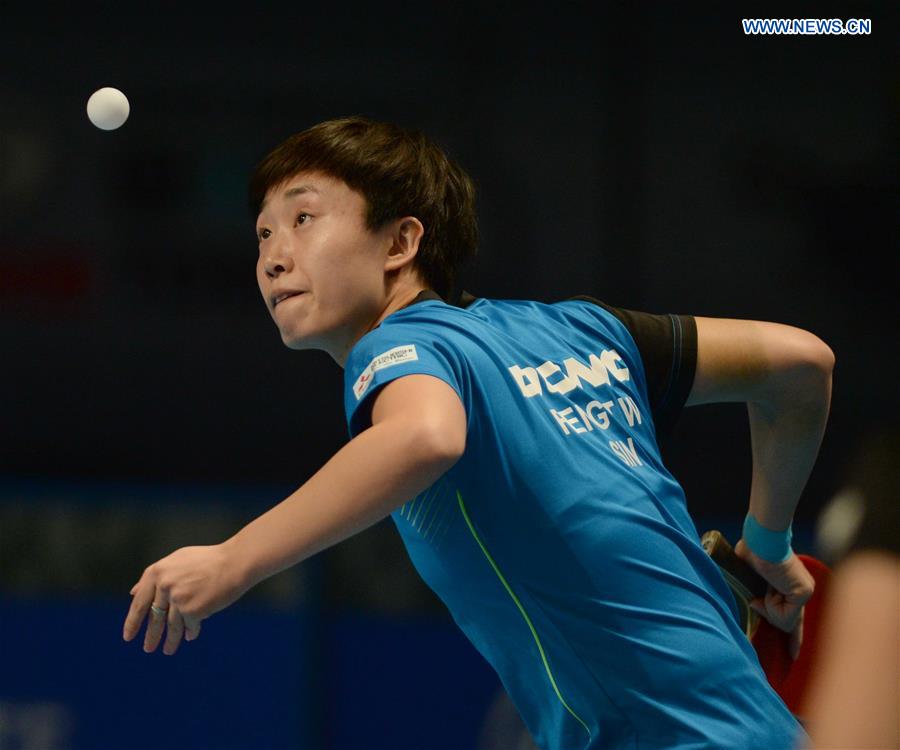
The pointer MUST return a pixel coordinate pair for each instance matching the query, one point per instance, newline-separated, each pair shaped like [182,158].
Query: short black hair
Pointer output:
[399,172]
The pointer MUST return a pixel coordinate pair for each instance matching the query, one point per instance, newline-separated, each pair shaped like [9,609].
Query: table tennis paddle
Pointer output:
[789,677]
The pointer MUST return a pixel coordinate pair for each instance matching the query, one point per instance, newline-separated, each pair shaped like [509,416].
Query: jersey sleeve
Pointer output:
[390,352]
[668,348]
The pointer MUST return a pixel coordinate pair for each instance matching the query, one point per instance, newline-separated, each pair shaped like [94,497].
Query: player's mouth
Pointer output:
[282,296]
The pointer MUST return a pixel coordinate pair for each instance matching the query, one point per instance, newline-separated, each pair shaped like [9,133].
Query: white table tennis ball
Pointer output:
[108,108]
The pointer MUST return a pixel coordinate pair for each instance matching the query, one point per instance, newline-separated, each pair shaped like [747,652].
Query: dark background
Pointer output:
[660,160]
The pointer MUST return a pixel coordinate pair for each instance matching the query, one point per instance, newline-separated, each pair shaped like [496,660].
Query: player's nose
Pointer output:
[278,258]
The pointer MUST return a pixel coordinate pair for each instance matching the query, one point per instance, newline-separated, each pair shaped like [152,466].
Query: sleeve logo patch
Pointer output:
[395,356]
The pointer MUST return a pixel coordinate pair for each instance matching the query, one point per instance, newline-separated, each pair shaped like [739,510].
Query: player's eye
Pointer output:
[300,217]
[263,234]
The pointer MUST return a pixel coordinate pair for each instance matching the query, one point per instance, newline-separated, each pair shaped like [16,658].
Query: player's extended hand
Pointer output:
[790,586]
[191,584]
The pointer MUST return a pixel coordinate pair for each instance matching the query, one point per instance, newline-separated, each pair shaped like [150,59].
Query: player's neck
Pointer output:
[399,299]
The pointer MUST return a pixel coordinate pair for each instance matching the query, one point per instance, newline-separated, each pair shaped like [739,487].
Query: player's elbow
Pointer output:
[826,358]
[813,359]
[804,369]
[769,364]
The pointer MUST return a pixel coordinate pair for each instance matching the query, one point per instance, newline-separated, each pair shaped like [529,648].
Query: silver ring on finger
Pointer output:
[161,611]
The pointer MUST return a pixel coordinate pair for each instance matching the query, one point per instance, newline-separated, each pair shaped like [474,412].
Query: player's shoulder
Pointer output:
[589,303]
[429,314]
[426,323]
[465,325]
[482,315]
[595,310]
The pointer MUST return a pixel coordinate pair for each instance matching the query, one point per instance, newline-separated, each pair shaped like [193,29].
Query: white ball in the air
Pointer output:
[108,108]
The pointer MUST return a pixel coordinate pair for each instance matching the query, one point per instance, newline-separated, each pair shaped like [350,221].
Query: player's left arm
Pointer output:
[784,375]
[418,432]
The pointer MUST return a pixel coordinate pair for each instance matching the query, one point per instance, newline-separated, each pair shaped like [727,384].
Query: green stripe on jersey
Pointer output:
[537,640]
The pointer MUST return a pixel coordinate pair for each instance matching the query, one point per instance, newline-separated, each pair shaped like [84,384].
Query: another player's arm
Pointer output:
[418,432]
[784,376]
[853,698]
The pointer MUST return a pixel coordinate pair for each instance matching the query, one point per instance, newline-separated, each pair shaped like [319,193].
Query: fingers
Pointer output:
[797,638]
[143,598]
[789,615]
[156,622]
[174,631]
[152,604]
[758,605]
[783,614]
[191,628]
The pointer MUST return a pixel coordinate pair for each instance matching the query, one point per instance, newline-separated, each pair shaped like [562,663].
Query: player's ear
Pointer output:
[405,238]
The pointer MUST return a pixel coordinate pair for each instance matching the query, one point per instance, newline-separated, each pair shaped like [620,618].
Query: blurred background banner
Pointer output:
[661,160]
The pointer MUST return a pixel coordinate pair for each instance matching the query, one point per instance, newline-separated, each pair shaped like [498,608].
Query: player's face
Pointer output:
[313,239]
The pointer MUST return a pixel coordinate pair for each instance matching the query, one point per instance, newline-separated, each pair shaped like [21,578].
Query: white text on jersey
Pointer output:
[597,373]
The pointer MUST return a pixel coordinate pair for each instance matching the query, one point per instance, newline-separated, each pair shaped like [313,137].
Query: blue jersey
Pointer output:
[559,542]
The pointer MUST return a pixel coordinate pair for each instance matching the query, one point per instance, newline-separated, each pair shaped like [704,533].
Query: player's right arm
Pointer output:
[783,374]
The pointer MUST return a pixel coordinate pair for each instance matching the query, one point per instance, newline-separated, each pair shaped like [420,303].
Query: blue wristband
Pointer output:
[774,546]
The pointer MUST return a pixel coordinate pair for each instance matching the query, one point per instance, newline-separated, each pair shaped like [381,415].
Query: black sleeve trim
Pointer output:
[668,347]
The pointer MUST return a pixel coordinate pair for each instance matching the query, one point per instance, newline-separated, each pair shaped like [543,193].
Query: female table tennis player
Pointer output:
[514,444]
